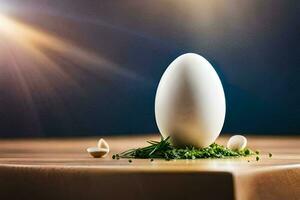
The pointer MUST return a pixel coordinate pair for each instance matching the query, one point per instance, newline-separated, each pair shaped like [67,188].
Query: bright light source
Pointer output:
[5,24]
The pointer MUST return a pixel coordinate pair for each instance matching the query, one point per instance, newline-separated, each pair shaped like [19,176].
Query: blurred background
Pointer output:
[79,68]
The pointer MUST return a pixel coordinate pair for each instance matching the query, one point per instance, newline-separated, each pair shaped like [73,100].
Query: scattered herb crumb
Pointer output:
[248,160]
[257,158]
[130,160]
[163,149]
[151,160]
[257,152]
[270,155]
[116,156]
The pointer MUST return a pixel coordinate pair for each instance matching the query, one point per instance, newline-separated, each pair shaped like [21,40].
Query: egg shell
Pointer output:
[97,152]
[237,142]
[102,144]
[190,102]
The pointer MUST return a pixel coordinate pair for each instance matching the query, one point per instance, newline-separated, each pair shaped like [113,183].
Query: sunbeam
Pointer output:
[35,40]
[36,70]
[31,69]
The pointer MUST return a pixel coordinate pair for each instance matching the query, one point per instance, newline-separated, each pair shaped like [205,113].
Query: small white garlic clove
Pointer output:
[97,152]
[103,144]
[237,142]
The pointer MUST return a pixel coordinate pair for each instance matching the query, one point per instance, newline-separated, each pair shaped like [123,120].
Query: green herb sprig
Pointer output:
[163,149]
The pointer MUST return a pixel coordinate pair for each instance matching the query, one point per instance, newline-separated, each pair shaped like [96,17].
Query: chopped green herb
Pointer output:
[257,152]
[270,155]
[113,156]
[130,160]
[257,158]
[163,149]
[247,152]
[151,159]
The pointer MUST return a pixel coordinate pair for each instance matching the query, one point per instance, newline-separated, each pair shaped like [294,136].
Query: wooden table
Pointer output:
[62,169]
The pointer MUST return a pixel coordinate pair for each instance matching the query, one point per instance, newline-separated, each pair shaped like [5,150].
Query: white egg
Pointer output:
[237,142]
[190,102]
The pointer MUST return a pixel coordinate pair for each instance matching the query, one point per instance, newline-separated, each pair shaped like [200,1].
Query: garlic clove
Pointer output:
[237,142]
[97,152]
[103,144]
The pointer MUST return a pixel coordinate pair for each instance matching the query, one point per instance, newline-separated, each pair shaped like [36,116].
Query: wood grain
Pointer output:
[62,169]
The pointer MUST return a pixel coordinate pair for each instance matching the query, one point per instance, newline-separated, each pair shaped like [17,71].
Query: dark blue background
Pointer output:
[253,45]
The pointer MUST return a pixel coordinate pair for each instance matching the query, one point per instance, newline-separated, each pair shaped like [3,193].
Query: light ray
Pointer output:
[34,76]
[32,37]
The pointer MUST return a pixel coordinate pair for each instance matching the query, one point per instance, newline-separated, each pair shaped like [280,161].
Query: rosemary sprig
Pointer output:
[165,150]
